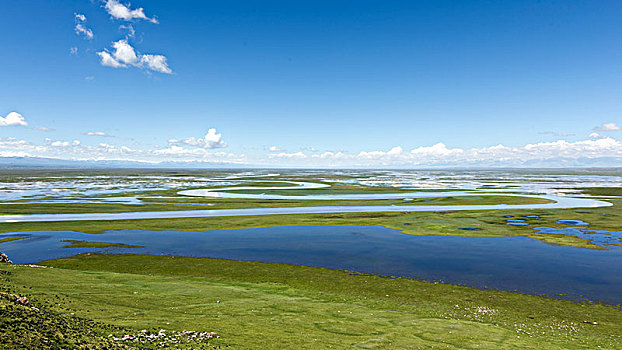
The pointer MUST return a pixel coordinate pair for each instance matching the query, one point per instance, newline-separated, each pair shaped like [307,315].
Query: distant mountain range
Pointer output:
[30,162]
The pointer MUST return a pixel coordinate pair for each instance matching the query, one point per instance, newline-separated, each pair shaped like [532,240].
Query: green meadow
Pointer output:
[254,305]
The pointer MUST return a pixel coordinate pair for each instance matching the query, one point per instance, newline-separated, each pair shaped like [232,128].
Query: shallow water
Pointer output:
[508,263]
[602,238]
[574,222]
[558,202]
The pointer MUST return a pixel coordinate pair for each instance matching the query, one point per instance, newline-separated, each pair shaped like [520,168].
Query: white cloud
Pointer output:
[437,150]
[440,154]
[22,145]
[156,63]
[124,54]
[109,61]
[333,155]
[607,127]
[97,133]
[12,142]
[211,140]
[595,135]
[395,151]
[13,119]
[184,152]
[297,155]
[121,11]
[75,149]
[6,154]
[73,143]
[81,28]
[108,148]
[275,149]
[60,144]
[89,77]
[178,151]
[73,50]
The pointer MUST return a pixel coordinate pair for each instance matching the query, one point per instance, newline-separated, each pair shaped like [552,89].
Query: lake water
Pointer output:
[508,263]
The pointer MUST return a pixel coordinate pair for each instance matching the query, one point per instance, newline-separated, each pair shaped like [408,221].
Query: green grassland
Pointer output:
[264,306]
[22,327]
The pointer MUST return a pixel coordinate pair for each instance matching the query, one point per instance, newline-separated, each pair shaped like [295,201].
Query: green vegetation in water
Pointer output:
[409,222]
[14,238]
[86,244]
[603,191]
[193,203]
[265,306]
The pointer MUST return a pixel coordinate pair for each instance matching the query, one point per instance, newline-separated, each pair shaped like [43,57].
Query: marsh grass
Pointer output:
[86,244]
[14,238]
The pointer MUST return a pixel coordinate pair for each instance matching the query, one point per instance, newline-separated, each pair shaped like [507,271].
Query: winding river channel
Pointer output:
[556,202]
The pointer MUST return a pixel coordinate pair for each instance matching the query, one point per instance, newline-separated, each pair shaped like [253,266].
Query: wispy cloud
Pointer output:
[608,127]
[81,28]
[296,155]
[128,29]
[557,134]
[124,12]
[276,149]
[41,128]
[96,133]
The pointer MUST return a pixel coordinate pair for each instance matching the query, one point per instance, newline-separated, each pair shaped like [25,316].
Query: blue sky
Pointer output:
[321,83]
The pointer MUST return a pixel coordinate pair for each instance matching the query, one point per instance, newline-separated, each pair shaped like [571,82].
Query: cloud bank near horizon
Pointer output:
[602,151]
